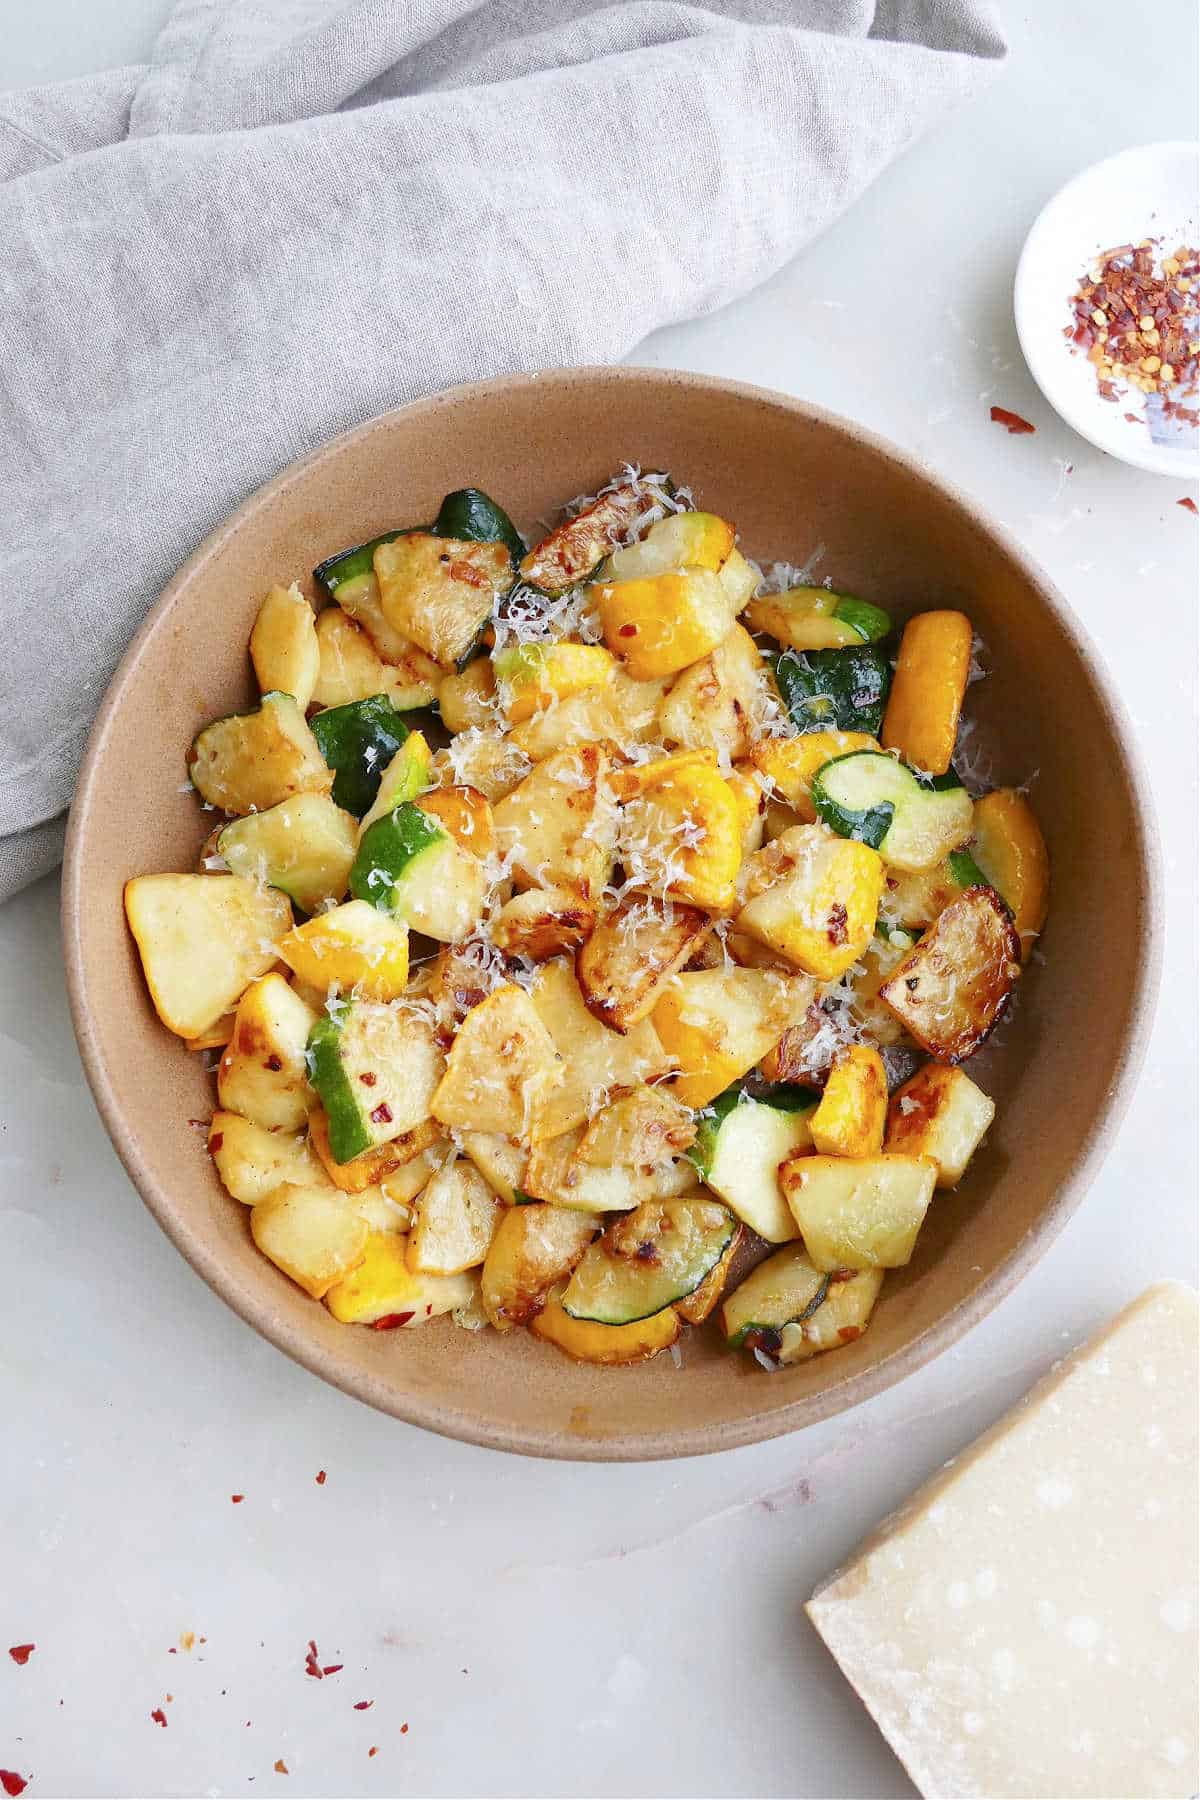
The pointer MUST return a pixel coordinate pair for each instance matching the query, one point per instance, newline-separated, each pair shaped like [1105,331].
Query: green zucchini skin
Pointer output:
[350,565]
[966,871]
[349,1133]
[835,690]
[894,803]
[358,741]
[871,622]
[784,1096]
[472,516]
[389,847]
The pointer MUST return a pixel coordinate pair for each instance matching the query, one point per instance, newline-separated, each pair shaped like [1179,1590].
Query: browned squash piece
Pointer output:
[950,991]
[633,953]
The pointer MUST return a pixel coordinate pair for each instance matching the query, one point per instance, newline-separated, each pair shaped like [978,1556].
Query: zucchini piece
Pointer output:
[789,765]
[940,1113]
[555,1173]
[658,1253]
[303,846]
[283,645]
[314,1234]
[859,1212]
[534,676]
[913,823]
[352,566]
[351,946]
[966,871]
[358,742]
[707,1297]
[408,865]
[385,1292]
[783,1290]
[932,671]
[439,592]
[469,700]
[541,923]
[534,1247]
[715,703]
[371,1168]
[473,517]
[575,549]
[352,667]
[202,940]
[834,690]
[500,1161]
[778,1312]
[950,991]
[612,1346]
[376,1068]
[408,774]
[814,618]
[742,1139]
[251,761]
[641,1129]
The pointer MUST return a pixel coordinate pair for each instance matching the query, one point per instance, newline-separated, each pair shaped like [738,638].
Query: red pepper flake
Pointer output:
[626,631]
[21,1653]
[382,1114]
[1012,422]
[12,1783]
[367,1078]
[320,1478]
[311,1665]
[215,1142]
[404,1728]
[159,1717]
[363,1705]
[274,1063]
[281,1767]
[374,1750]
[1189,503]
[390,1321]
[237,1498]
[333,1668]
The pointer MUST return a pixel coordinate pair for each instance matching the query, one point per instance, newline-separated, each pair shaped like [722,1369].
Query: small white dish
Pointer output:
[1149,192]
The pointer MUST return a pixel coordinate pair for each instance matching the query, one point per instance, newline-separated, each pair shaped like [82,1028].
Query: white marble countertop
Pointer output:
[551,1629]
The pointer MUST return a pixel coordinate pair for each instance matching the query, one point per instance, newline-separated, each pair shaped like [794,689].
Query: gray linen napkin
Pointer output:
[304,212]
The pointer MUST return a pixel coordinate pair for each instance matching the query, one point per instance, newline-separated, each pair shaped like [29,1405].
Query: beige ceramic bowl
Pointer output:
[1061,1070]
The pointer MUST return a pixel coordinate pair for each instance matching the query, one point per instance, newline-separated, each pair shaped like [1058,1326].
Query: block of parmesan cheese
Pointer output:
[1027,1624]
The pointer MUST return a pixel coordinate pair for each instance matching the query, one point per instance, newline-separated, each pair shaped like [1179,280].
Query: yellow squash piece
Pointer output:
[384,1291]
[556,1174]
[559,825]
[353,667]
[681,838]
[502,1069]
[314,1234]
[485,760]
[850,1118]
[939,1113]
[202,940]
[813,898]
[354,946]
[541,923]
[1011,851]
[283,645]
[698,540]
[632,953]
[468,700]
[859,1212]
[534,1247]
[263,1073]
[752,808]
[717,1023]
[457,1217]
[660,623]
[717,703]
[613,1346]
[252,1161]
[375,1167]
[594,1060]
[921,720]
[789,764]
[467,816]
[500,1160]
[534,676]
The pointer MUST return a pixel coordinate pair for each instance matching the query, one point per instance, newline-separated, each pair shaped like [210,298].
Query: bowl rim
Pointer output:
[771,1420]
[1036,347]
